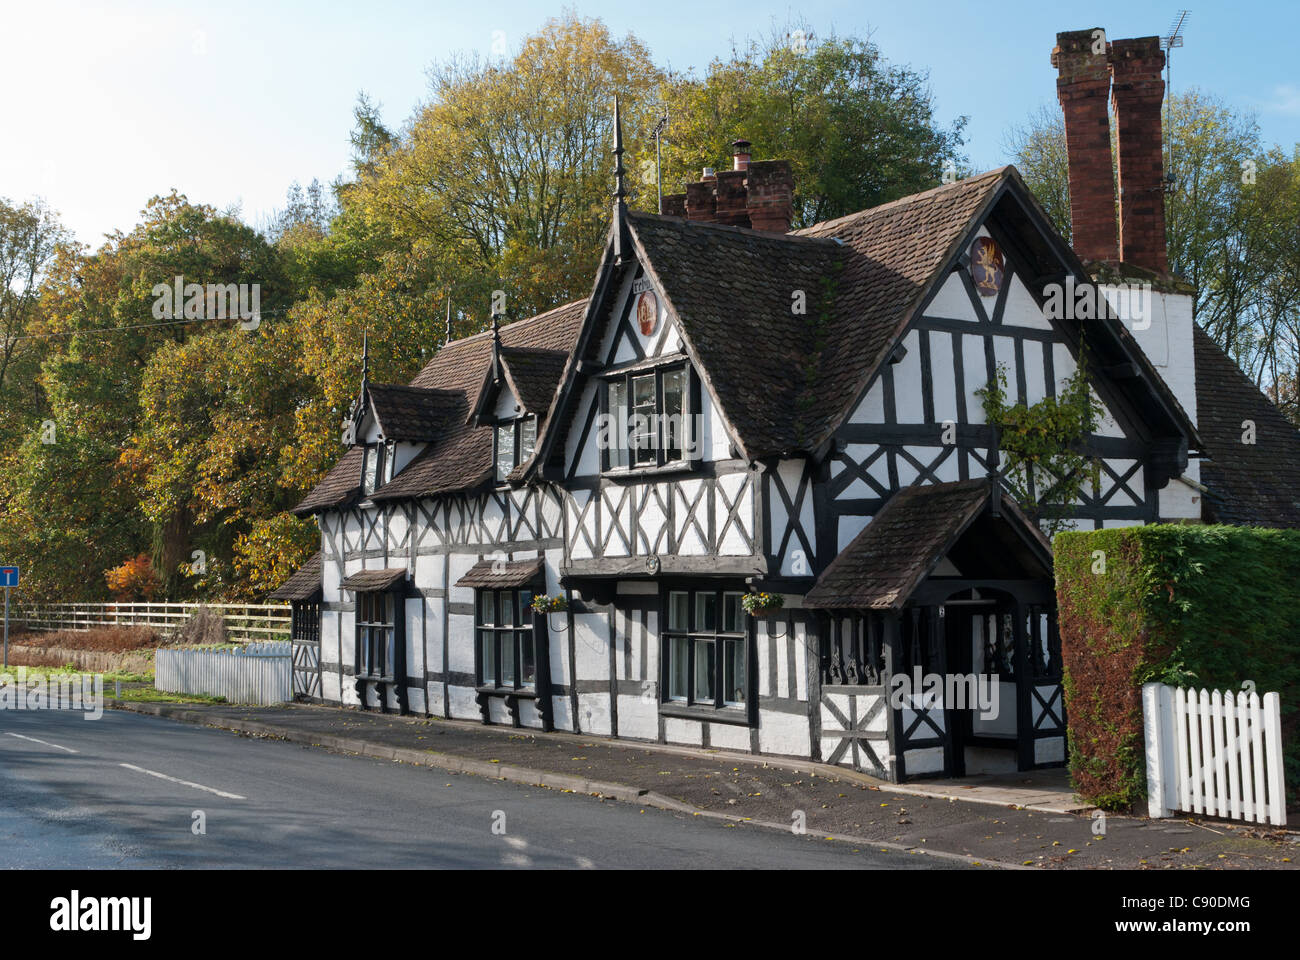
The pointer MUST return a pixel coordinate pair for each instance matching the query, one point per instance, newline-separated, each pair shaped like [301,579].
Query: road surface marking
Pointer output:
[45,742]
[187,783]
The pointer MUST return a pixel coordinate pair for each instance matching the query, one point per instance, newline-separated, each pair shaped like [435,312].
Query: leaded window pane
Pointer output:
[678,667]
[704,672]
[507,660]
[505,450]
[674,413]
[487,656]
[527,438]
[706,612]
[527,658]
[616,407]
[644,421]
[679,608]
[733,671]
[371,469]
[733,613]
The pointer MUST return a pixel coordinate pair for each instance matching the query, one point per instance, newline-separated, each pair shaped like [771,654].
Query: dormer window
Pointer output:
[515,441]
[377,468]
[648,418]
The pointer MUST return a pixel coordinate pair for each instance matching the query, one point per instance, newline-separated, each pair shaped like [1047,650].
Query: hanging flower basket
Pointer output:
[761,605]
[556,604]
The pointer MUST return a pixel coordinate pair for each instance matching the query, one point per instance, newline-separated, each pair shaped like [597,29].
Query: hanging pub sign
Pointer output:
[986,266]
[647,311]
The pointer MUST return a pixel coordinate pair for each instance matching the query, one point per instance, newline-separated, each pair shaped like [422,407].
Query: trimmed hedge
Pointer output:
[1191,606]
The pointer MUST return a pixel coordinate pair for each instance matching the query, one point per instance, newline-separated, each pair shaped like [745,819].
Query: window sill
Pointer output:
[738,715]
[633,473]
[528,693]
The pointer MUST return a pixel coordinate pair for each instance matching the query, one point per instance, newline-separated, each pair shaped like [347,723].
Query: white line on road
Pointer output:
[44,742]
[187,783]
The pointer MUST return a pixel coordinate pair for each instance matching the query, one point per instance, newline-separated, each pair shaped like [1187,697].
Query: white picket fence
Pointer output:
[256,673]
[244,621]
[1214,753]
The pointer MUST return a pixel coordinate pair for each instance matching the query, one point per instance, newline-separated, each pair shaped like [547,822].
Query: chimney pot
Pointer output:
[709,174]
[740,154]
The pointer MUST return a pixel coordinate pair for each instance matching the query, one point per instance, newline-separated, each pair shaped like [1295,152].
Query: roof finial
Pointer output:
[365,357]
[622,239]
[496,346]
[447,335]
[619,191]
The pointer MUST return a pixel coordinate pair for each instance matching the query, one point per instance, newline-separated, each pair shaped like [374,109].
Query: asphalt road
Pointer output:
[124,791]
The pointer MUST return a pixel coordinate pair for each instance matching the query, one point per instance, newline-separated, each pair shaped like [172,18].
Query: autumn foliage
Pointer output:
[133,580]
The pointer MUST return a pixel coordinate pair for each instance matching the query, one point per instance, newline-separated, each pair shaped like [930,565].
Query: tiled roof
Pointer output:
[305,582]
[899,547]
[462,456]
[501,573]
[535,374]
[338,487]
[1249,484]
[373,579]
[733,290]
[411,413]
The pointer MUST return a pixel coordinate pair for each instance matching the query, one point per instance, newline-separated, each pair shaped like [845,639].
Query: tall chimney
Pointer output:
[1137,95]
[1083,87]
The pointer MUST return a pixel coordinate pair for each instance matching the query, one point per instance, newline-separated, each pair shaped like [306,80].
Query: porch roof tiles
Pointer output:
[366,580]
[888,560]
[498,573]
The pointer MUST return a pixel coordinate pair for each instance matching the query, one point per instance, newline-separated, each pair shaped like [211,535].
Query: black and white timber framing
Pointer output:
[618,541]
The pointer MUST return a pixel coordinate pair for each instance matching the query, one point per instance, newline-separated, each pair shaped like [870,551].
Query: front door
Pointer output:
[980,651]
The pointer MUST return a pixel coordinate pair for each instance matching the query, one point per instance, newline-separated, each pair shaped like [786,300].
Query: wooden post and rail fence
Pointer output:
[245,622]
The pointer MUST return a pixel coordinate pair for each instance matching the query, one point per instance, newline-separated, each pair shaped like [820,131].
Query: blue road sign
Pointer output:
[8,576]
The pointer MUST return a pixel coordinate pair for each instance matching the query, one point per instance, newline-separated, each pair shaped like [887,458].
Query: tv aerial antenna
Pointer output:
[1174,38]
[660,126]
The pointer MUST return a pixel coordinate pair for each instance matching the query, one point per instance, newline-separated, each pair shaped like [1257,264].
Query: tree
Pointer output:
[1038,149]
[30,235]
[857,130]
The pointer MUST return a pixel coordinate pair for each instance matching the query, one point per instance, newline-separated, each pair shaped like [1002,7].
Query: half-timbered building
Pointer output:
[738,408]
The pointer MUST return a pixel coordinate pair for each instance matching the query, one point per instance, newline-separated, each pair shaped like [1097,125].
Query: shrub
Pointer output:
[205,626]
[135,579]
[1203,606]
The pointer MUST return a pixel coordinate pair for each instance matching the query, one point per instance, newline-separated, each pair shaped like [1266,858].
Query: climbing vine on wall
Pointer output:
[1046,469]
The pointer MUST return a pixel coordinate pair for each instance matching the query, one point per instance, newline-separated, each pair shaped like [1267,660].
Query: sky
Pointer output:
[110,104]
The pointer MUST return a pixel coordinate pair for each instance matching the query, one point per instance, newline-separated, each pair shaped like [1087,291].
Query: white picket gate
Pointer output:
[1214,753]
[256,673]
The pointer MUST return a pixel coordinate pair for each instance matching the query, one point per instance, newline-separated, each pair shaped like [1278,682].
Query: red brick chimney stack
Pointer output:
[1137,95]
[754,193]
[771,195]
[1083,87]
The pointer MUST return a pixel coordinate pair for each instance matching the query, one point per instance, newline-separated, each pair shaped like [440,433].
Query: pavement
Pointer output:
[1027,820]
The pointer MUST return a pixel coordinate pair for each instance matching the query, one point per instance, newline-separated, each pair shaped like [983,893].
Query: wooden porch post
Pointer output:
[893,654]
[1024,682]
